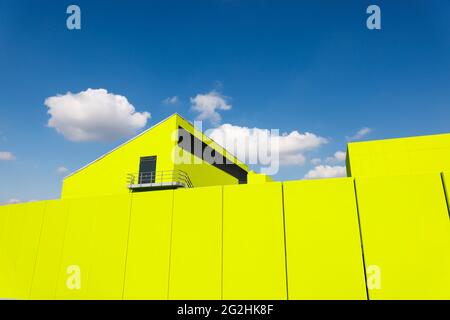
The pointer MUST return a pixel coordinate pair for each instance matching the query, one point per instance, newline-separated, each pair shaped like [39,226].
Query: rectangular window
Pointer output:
[147,169]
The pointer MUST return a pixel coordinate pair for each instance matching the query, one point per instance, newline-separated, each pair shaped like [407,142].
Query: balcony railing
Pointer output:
[159,179]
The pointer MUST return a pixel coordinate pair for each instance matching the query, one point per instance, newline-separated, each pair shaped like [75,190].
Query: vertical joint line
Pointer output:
[38,250]
[361,239]
[127,246]
[285,245]
[221,253]
[66,224]
[170,244]
[445,194]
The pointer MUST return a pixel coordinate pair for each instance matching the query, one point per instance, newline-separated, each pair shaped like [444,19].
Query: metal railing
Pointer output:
[166,178]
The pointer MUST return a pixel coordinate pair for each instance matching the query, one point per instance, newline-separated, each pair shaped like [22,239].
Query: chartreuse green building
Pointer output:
[172,215]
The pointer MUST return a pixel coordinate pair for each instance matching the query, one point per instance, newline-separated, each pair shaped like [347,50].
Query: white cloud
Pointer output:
[292,159]
[360,134]
[6,156]
[13,201]
[94,115]
[326,171]
[338,157]
[16,201]
[250,144]
[171,100]
[208,104]
[62,170]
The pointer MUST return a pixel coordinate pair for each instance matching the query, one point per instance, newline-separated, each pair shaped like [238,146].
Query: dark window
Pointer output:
[147,168]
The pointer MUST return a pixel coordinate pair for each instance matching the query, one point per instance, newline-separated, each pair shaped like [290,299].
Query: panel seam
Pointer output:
[285,245]
[38,249]
[170,244]
[127,247]
[361,239]
[61,255]
[445,194]
[221,250]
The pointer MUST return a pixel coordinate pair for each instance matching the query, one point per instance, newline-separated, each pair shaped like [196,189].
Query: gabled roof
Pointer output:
[121,145]
[140,134]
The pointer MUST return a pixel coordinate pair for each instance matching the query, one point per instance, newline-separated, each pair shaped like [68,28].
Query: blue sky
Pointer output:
[306,66]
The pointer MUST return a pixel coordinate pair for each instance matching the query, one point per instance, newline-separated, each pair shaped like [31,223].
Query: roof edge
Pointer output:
[122,144]
[399,138]
[176,114]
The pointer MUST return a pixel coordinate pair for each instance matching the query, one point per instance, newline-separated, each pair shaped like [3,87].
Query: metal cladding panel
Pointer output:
[94,250]
[253,242]
[324,256]
[406,236]
[50,249]
[111,227]
[19,246]
[402,156]
[147,269]
[4,260]
[196,254]
[76,258]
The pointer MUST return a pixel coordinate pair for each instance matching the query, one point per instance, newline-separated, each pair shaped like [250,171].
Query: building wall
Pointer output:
[406,234]
[255,178]
[323,247]
[20,228]
[108,175]
[293,240]
[149,244]
[254,247]
[412,155]
[196,245]
[200,172]
[199,134]
[204,174]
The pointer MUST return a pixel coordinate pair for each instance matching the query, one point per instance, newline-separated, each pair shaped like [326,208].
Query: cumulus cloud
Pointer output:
[337,158]
[16,201]
[13,201]
[261,146]
[62,170]
[360,134]
[208,104]
[94,115]
[171,100]
[340,155]
[6,156]
[326,171]
[292,159]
